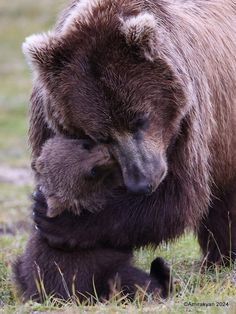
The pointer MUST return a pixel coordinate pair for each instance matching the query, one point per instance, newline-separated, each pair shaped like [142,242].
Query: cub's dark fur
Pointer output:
[43,271]
[69,173]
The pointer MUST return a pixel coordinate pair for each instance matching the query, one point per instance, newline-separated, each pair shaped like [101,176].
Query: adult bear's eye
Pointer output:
[141,123]
[105,140]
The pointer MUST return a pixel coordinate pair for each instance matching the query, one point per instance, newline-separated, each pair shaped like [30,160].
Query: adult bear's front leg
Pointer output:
[127,221]
[217,232]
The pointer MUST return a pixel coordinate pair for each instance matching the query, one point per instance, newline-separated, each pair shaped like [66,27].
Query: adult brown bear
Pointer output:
[156,81]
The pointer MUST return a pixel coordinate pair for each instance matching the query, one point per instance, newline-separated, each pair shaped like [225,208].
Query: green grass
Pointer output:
[19,19]
[191,285]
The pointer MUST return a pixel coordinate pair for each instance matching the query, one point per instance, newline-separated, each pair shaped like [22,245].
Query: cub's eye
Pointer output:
[98,172]
[95,172]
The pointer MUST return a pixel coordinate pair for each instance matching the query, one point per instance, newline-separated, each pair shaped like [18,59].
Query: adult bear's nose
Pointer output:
[141,187]
[143,167]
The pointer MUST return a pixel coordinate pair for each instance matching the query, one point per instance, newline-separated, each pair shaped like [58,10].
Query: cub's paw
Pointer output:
[57,231]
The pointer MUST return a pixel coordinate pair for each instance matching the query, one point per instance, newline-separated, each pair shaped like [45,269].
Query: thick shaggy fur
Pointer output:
[100,273]
[156,81]
[74,174]
[68,169]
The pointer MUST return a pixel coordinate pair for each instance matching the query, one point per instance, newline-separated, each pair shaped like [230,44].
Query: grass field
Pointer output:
[17,20]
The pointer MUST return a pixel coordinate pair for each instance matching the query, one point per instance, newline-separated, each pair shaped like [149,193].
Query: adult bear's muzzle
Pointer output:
[143,166]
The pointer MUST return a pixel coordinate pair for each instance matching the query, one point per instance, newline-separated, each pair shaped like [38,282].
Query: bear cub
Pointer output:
[68,170]
[75,174]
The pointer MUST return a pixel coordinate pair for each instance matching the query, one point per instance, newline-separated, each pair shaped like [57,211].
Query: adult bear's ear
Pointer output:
[40,49]
[141,32]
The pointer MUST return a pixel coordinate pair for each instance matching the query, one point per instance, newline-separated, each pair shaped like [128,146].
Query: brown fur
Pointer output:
[156,80]
[67,169]
[43,271]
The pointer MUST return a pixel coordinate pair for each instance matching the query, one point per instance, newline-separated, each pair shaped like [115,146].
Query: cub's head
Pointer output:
[105,75]
[75,175]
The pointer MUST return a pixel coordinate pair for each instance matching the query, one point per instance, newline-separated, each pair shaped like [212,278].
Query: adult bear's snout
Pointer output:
[142,165]
[141,187]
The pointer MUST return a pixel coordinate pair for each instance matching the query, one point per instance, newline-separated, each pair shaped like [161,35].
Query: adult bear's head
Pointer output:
[105,74]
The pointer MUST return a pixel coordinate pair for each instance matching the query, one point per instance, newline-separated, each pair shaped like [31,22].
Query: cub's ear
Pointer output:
[141,32]
[39,50]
